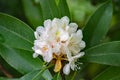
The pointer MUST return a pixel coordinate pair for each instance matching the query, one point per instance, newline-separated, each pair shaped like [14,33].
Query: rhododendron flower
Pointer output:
[59,40]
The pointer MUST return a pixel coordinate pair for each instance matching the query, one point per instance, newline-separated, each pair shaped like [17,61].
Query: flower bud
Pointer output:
[66,69]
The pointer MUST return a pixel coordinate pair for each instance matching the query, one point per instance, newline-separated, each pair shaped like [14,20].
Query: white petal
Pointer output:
[47,24]
[72,28]
[66,69]
[82,44]
[75,39]
[48,55]
[40,30]
[65,20]
[67,52]
[64,36]
[79,34]
[72,65]
[75,49]
[79,55]
[38,52]
[56,23]
[39,43]
[36,35]
[56,47]
[35,55]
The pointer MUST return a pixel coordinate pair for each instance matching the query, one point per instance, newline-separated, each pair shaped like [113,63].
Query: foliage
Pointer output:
[102,41]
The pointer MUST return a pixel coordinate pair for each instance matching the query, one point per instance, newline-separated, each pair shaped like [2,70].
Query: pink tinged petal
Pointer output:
[47,56]
[40,44]
[66,69]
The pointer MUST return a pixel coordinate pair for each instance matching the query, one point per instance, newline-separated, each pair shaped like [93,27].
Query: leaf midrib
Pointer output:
[16,34]
[12,49]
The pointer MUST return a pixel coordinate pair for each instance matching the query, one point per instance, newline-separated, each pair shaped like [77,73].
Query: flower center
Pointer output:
[58,64]
[45,48]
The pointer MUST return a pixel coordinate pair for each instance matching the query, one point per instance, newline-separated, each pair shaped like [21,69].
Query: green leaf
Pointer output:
[33,13]
[98,25]
[20,59]
[106,53]
[111,73]
[30,75]
[13,73]
[49,9]
[38,75]
[15,33]
[63,8]
[17,54]
[2,78]
[57,76]
[37,11]
[47,75]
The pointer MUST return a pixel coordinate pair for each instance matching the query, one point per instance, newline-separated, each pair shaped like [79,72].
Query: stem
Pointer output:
[63,76]
[7,74]
[41,71]
[74,75]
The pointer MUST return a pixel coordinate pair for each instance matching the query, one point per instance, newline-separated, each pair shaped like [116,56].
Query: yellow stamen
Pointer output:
[54,56]
[45,48]
[58,65]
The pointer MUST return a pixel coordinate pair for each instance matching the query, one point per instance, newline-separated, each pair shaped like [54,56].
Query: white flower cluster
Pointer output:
[59,40]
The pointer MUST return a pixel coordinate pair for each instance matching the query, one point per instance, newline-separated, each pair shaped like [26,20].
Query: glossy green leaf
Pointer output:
[39,10]
[15,33]
[16,48]
[30,75]
[33,13]
[111,73]
[10,70]
[2,78]
[44,76]
[49,9]
[47,75]
[57,77]
[98,25]
[20,59]
[38,75]
[106,53]
[63,8]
